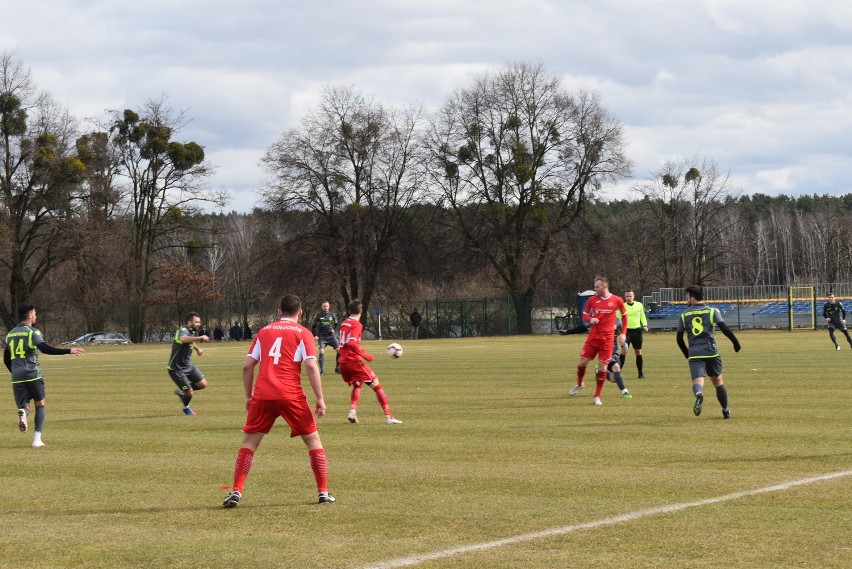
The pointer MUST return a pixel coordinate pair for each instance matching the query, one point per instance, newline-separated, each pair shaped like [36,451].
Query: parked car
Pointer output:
[100,338]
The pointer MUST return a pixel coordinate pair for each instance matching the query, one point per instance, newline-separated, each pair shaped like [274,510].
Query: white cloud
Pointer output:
[762,87]
[777,181]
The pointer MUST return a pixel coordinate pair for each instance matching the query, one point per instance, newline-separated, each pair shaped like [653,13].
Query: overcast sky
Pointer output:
[763,87]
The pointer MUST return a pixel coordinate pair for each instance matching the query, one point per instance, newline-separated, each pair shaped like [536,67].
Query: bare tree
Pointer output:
[39,183]
[242,267]
[688,200]
[165,185]
[514,156]
[356,167]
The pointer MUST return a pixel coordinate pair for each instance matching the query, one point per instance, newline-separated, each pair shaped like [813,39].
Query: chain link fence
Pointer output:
[770,307]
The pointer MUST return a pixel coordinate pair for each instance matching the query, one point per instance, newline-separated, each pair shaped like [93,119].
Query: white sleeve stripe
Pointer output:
[255,353]
[300,353]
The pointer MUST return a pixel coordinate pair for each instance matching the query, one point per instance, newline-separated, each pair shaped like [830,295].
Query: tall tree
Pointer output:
[515,156]
[102,257]
[688,200]
[356,167]
[39,184]
[243,265]
[165,186]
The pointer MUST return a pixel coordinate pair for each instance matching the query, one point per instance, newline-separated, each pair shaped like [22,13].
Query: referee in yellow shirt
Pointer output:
[636,324]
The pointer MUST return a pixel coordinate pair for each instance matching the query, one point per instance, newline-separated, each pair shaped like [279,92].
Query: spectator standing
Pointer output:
[414,318]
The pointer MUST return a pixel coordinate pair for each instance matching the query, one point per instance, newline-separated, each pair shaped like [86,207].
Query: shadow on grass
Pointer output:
[112,418]
[782,458]
[766,458]
[131,511]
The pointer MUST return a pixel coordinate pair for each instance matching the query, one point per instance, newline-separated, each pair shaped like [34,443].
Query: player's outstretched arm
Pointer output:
[46,348]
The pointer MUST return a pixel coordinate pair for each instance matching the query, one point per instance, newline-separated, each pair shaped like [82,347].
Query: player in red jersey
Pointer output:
[352,367]
[280,348]
[600,312]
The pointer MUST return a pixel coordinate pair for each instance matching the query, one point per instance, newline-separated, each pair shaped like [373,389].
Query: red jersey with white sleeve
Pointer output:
[280,348]
[350,342]
[604,309]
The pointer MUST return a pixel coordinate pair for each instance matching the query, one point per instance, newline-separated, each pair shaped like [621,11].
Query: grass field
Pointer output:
[491,448]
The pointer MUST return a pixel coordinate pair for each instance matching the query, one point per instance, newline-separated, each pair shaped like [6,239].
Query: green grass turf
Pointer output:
[491,447]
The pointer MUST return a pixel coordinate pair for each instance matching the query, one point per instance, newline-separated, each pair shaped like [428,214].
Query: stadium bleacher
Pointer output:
[782,307]
[673,310]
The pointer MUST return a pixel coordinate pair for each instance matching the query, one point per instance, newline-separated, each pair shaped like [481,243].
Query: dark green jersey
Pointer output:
[699,322]
[179,360]
[834,311]
[22,350]
[324,324]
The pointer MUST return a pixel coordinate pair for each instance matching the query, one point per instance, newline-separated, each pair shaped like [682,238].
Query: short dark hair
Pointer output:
[290,305]
[628,289]
[190,316]
[355,306]
[695,291]
[24,311]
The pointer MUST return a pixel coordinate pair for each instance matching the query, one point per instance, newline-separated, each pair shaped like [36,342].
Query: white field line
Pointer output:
[416,559]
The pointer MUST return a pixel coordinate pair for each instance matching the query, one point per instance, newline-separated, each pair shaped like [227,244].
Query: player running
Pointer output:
[353,369]
[23,343]
[600,311]
[281,348]
[835,317]
[186,376]
[699,322]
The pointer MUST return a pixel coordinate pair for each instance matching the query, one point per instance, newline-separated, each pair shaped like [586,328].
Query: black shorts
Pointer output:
[187,378]
[324,341]
[27,390]
[634,338]
[706,367]
[836,324]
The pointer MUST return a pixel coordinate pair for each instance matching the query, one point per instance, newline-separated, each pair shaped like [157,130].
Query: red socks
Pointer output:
[581,373]
[383,400]
[245,457]
[600,379]
[355,396]
[320,468]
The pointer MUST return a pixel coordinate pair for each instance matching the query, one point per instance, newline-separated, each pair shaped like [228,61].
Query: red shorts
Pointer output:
[262,413]
[357,371]
[597,346]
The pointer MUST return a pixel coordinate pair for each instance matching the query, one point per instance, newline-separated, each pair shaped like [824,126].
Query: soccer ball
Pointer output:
[394,350]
